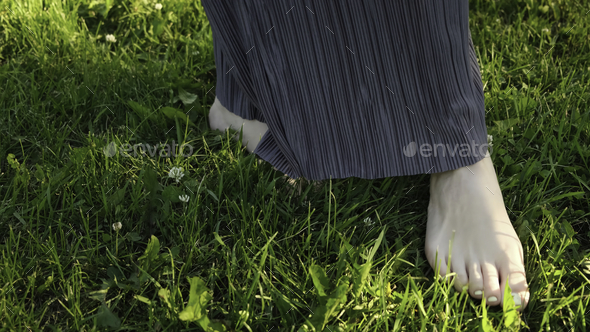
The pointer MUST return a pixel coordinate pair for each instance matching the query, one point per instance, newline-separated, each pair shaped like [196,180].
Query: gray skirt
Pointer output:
[369,89]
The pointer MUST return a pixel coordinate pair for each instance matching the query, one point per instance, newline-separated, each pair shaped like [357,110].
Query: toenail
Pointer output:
[492,299]
[517,300]
[477,292]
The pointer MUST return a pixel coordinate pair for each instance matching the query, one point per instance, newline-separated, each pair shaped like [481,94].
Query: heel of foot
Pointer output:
[216,119]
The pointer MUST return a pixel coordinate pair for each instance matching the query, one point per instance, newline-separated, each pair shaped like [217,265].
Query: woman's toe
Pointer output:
[516,278]
[458,267]
[491,284]
[475,280]
[437,260]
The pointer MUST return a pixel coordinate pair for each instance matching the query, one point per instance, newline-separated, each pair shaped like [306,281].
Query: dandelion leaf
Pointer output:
[172,113]
[196,309]
[509,308]
[186,97]
[171,193]
[320,280]
[151,253]
[106,318]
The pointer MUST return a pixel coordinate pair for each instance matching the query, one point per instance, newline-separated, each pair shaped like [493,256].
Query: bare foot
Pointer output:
[221,118]
[486,251]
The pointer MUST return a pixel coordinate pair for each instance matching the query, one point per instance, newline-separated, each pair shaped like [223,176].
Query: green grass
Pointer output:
[244,253]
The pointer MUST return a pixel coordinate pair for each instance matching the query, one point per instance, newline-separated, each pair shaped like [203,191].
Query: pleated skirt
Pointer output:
[367,89]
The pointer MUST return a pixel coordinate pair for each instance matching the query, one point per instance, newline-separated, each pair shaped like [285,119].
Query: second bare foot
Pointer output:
[486,252]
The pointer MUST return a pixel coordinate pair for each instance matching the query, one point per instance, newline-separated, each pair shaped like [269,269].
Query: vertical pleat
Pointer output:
[344,86]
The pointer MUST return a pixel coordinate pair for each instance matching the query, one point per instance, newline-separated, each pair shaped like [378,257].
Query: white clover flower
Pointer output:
[368,221]
[490,139]
[176,173]
[184,198]
[158,6]
[111,38]
[117,226]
